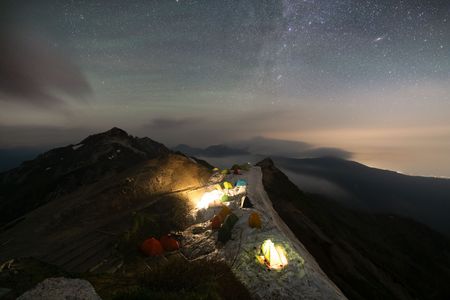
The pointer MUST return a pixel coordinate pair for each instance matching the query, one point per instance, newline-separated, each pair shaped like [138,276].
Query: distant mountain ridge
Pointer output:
[262,146]
[425,199]
[214,150]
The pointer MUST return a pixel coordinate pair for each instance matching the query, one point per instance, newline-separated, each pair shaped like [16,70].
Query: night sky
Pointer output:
[369,77]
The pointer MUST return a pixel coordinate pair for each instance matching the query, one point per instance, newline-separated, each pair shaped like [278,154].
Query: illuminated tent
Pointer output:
[241,182]
[227,185]
[225,172]
[216,170]
[272,256]
[225,198]
[227,226]
[208,198]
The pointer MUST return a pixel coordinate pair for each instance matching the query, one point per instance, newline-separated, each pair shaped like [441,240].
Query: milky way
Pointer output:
[367,76]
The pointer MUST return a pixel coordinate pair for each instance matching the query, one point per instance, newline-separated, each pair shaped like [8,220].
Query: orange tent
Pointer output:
[254,220]
[216,222]
[152,247]
[169,243]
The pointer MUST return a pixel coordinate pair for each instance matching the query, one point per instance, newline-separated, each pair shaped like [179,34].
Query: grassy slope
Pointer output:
[170,277]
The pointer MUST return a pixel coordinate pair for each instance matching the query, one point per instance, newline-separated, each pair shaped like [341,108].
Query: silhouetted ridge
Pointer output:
[211,151]
[112,133]
[266,163]
[65,169]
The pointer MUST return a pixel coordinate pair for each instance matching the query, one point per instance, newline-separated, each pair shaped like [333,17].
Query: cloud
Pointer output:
[41,136]
[171,123]
[34,70]
[328,152]
[268,146]
[288,148]
[237,131]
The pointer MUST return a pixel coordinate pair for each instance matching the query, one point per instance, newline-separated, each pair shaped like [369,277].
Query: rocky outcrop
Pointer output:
[61,288]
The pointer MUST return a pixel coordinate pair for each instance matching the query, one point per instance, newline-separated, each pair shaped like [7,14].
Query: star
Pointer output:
[379,38]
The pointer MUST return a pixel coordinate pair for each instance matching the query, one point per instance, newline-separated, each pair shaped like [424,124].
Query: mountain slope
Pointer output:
[93,196]
[62,170]
[424,199]
[368,256]
[12,157]
[107,203]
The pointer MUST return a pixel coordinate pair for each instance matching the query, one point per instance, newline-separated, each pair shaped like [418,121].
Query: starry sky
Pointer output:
[369,77]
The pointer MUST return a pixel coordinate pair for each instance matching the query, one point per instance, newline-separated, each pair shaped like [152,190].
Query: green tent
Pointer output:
[227,226]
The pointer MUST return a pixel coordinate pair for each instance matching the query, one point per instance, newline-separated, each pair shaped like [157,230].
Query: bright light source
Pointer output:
[208,198]
[273,256]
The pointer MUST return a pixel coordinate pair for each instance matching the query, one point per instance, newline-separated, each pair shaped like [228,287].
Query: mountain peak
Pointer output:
[116,131]
[113,133]
[65,169]
[266,163]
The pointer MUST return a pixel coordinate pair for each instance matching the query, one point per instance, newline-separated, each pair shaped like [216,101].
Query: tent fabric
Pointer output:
[227,185]
[246,203]
[254,220]
[216,222]
[241,182]
[273,256]
[225,198]
[227,226]
[169,243]
[225,172]
[152,247]
[216,170]
[224,212]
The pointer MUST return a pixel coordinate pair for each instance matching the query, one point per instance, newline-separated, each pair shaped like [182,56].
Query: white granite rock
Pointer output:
[61,289]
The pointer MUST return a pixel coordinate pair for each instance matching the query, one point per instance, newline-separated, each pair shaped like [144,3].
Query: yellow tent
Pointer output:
[273,256]
[216,170]
[227,185]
